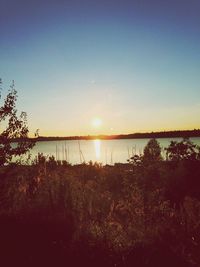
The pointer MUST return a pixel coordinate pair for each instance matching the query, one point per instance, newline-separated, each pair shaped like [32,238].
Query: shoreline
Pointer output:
[163,134]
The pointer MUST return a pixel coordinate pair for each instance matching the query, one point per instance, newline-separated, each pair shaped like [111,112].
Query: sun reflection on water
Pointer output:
[97,147]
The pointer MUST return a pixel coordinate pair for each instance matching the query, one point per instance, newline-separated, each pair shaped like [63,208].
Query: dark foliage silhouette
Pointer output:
[15,129]
[184,150]
[152,151]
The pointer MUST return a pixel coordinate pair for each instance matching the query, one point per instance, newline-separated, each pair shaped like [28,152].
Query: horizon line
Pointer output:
[161,134]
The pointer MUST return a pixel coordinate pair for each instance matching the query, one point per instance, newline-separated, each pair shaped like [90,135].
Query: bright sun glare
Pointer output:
[97,122]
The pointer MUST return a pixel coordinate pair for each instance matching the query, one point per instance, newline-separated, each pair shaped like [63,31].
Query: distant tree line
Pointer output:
[164,134]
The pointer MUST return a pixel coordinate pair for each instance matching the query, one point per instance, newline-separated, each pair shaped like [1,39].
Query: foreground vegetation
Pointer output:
[143,213]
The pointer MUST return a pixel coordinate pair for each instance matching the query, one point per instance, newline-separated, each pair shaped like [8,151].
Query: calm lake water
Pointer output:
[104,151]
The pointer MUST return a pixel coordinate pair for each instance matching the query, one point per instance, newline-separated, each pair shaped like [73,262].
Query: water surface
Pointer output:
[104,151]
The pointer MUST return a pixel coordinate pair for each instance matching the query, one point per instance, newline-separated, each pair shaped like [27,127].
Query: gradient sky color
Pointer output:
[134,64]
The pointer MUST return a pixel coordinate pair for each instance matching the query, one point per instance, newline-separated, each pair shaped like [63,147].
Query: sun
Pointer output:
[96,122]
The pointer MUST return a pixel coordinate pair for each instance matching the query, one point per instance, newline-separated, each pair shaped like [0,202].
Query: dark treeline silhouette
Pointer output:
[143,213]
[164,134]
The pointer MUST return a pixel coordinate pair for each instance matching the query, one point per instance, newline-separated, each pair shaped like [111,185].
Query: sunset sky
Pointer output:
[103,67]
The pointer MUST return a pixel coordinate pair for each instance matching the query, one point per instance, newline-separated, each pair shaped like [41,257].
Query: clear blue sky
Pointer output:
[133,64]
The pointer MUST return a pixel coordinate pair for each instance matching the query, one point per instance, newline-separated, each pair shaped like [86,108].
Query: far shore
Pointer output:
[163,134]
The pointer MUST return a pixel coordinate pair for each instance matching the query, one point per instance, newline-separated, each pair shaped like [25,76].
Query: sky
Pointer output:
[133,65]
